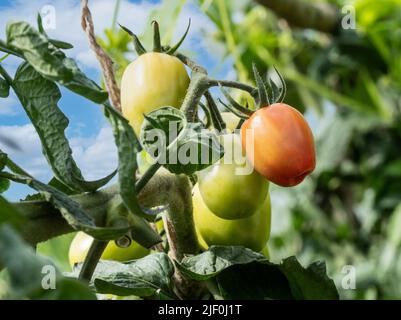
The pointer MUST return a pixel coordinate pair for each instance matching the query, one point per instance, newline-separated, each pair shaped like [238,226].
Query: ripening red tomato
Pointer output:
[281,145]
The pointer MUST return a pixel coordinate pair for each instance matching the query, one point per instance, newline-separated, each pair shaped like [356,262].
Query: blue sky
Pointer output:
[90,136]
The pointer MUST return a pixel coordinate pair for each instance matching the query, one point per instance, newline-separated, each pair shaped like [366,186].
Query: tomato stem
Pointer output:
[92,259]
[208,115]
[141,183]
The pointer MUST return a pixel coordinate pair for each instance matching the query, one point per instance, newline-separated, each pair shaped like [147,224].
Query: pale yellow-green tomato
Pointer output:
[81,243]
[252,232]
[151,81]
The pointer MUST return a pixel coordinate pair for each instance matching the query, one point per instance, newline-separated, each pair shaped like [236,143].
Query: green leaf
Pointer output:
[26,271]
[3,160]
[4,88]
[4,185]
[180,146]
[69,289]
[39,98]
[61,44]
[310,283]
[241,273]
[253,281]
[69,209]
[56,43]
[128,146]
[9,214]
[144,277]
[215,260]
[56,183]
[50,61]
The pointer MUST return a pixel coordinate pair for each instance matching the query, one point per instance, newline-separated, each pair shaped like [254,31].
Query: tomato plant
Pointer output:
[281,145]
[197,192]
[227,191]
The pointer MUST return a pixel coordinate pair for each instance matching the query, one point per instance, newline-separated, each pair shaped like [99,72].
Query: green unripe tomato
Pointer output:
[228,189]
[152,81]
[81,243]
[252,232]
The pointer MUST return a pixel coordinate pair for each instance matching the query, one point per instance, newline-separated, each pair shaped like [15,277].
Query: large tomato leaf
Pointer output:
[39,98]
[50,61]
[241,273]
[79,220]
[27,272]
[218,258]
[180,146]
[309,283]
[255,280]
[145,277]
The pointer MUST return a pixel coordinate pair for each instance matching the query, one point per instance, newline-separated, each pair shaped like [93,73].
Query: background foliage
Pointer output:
[349,86]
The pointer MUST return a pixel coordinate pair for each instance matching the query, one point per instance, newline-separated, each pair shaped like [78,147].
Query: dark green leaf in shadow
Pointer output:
[218,258]
[311,283]
[144,277]
[254,281]
[27,272]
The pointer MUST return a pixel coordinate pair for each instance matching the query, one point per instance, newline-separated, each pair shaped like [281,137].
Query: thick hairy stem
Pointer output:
[198,86]
[319,16]
[176,192]
[95,251]
[180,228]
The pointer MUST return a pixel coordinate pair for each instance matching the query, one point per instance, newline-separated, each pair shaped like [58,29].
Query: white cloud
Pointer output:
[29,156]
[134,15]
[96,156]
[68,20]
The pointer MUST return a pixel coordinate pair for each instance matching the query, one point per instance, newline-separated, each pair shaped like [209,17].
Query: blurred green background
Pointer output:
[348,84]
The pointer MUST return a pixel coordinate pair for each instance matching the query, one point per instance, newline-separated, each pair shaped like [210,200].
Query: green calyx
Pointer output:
[268,93]
[157,46]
